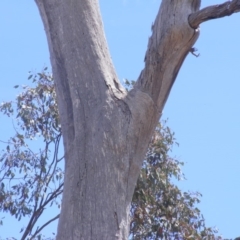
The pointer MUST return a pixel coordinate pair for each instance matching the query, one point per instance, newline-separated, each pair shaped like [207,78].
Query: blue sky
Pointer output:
[203,108]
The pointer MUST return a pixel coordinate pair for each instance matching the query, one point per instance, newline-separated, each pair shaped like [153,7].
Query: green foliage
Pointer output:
[128,83]
[32,180]
[160,210]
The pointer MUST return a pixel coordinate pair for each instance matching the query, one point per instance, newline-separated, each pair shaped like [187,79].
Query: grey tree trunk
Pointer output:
[106,130]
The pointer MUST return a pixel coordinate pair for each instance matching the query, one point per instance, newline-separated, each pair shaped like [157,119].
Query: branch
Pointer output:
[44,225]
[213,12]
[64,33]
[171,40]
[37,212]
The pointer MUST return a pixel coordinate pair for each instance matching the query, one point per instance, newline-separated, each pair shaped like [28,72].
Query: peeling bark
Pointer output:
[106,130]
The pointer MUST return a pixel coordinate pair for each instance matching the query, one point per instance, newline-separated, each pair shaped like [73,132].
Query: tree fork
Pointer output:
[106,130]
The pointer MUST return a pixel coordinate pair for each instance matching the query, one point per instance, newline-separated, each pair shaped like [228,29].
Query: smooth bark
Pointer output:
[106,130]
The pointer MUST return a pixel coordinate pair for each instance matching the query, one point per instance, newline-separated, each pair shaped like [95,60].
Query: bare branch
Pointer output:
[38,211]
[44,225]
[54,161]
[213,12]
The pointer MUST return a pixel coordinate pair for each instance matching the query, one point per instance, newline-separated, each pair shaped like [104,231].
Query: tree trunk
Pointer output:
[106,130]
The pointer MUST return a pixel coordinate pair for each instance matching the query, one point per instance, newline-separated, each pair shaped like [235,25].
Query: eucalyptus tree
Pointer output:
[106,130]
[32,179]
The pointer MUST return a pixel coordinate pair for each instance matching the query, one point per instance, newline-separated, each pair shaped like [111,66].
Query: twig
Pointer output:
[193,51]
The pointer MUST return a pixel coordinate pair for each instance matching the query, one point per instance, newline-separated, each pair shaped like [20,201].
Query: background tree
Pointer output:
[160,209]
[32,180]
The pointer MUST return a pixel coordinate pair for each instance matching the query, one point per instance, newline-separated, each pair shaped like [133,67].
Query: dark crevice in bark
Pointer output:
[116,217]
